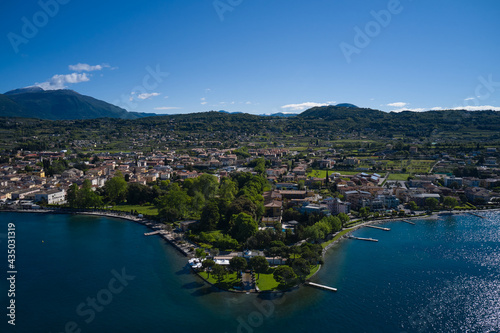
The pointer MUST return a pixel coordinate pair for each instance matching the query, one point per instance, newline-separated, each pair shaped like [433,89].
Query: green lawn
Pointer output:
[314,269]
[266,281]
[229,282]
[322,173]
[398,176]
[340,234]
[147,210]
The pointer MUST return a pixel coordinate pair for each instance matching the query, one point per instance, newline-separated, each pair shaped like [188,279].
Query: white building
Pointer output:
[52,197]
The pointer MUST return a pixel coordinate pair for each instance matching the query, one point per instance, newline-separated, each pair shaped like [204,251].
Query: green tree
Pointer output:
[237,264]
[259,265]
[207,265]
[344,218]
[413,205]
[210,216]
[115,189]
[219,272]
[284,275]
[450,202]
[301,267]
[431,203]
[243,226]
[228,190]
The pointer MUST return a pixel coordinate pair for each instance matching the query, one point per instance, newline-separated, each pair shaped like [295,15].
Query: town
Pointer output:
[246,210]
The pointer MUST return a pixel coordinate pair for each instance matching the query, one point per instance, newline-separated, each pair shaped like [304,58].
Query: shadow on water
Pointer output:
[204,291]
[185,270]
[193,285]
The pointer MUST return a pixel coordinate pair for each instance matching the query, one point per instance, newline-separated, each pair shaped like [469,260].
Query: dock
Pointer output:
[364,239]
[409,222]
[476,215]
[380,228]
[152,233]
[320,286]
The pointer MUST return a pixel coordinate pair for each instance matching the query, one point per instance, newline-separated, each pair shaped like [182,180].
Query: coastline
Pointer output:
[159,229]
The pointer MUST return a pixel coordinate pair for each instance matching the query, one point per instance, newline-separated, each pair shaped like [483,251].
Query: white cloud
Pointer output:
[248,103]
[203,101]
[398,104]
[167,108]
[302,106]
[86,67]
[60,81]
[410,109]
[469,99]
[477,108]
[147,95]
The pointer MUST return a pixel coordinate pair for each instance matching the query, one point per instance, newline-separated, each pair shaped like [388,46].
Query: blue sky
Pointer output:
[181,56]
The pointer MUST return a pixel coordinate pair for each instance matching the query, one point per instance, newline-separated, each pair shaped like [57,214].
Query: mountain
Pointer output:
[343,113]
[346,105]
[34,102]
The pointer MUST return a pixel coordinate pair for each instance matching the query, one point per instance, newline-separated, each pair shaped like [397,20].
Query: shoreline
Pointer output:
[185,249]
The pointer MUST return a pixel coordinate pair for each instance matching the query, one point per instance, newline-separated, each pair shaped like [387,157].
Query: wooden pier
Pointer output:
[152,233]
[364,239]
[409,222]
[476,215]
[320,286]
[380,228]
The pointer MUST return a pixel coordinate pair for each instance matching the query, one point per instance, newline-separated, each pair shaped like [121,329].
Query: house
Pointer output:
[476,193]
[51,197]
[336,206]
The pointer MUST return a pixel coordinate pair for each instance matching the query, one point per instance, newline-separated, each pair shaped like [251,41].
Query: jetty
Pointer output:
[473,214]
[320,286]
[363,239]
[380,228]
[152,233]
[409,222]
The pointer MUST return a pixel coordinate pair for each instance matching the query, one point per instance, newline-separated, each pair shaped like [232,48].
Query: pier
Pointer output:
[380,228]
[364,239]
[476,215]
[409,222]
[320,286]
[152,233]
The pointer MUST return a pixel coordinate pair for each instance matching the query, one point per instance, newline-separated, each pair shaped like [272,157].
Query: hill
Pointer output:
[34,102]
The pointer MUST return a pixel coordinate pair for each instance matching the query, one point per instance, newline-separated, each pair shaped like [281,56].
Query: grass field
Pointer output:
[230,280]
[146,210]
[398,176]
[322,173]
[266,280]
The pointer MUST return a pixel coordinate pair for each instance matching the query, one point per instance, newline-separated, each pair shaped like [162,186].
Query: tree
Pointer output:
[301,267]
[284,275]
[413,205]
[228,190]
[209,217]
[450,202]
[207,185]
[200,253]
[432,203]
[259,265]
[72,195]
[219,272]
[237,264]
[115,189]
[243,226]
[207,264]
[138,194]
[344,218]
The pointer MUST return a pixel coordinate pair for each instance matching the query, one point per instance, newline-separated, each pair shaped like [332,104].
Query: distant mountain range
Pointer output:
[34,102]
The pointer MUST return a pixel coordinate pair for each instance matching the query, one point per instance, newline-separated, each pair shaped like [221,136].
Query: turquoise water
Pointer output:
[436,276]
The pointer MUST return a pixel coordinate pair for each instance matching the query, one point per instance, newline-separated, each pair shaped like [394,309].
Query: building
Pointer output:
[51,197]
